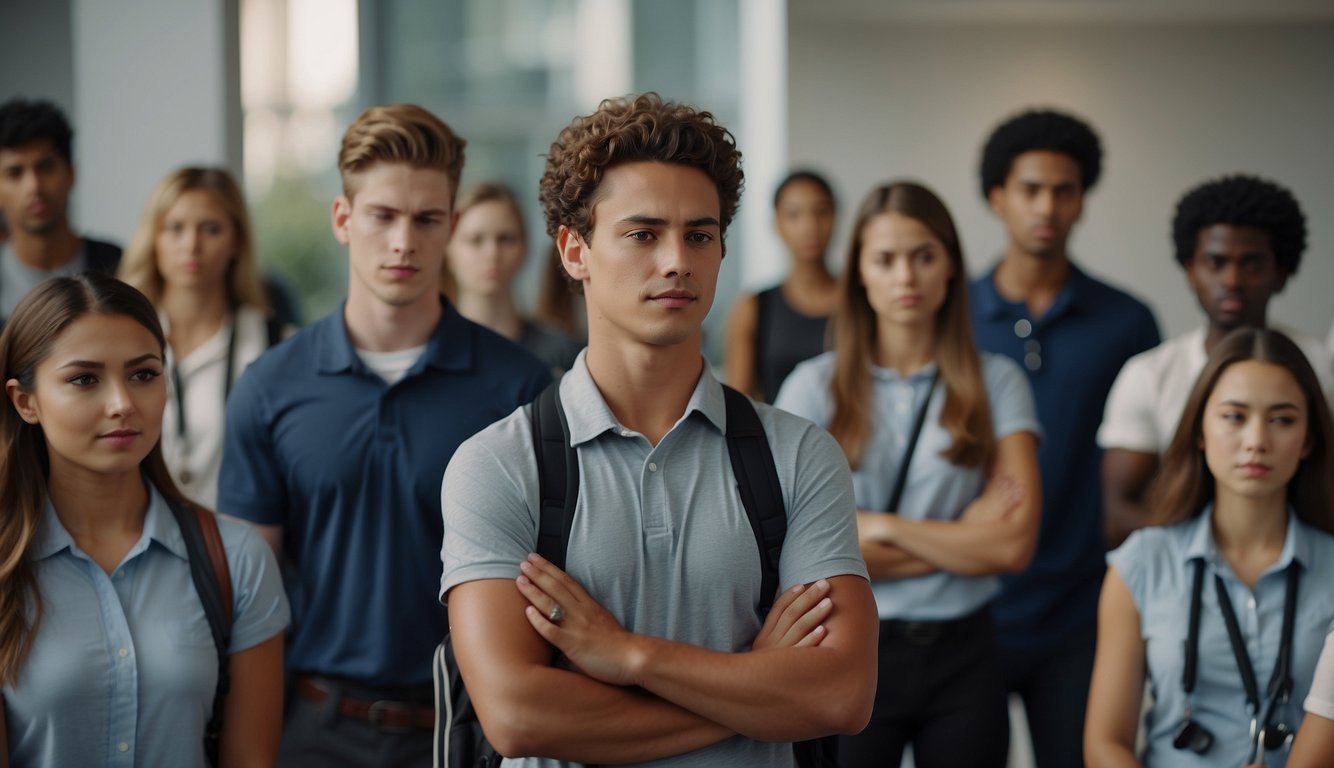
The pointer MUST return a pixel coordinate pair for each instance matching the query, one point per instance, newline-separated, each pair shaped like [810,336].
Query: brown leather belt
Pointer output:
[385,714]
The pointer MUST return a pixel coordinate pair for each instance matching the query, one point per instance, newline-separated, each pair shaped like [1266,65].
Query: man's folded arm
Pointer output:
[779,694]
[529,708]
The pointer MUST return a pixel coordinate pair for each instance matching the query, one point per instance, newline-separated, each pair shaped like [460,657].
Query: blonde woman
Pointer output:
[193,257]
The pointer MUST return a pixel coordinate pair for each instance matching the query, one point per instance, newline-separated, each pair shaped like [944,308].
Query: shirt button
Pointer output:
[1022,328]
[1251,603]
[652,467]
[122,653]
[901,408]
[1032,361]
[123,747]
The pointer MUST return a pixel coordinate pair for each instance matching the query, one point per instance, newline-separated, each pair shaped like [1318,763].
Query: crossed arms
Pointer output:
[631,697]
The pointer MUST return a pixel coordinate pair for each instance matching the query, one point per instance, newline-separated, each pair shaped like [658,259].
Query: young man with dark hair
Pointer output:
[1071,333]
[1239,240]
[336,441]
[650,645]
[36,176]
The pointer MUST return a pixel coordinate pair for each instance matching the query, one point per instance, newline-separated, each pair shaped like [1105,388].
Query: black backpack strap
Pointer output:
[212,580]
[557,473]
[757,481]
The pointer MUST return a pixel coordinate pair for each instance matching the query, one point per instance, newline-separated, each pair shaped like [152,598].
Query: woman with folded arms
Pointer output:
[942,442]
[1224,603]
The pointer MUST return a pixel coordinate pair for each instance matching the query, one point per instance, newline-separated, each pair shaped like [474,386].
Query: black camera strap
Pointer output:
[1280,682]
[901,478]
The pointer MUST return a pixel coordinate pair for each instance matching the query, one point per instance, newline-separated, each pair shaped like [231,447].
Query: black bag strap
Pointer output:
[757,482]
[901,478]
[557,473]
[212,580]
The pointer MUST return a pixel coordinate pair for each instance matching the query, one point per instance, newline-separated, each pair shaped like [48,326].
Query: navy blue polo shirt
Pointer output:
[351,467]
[1072,355]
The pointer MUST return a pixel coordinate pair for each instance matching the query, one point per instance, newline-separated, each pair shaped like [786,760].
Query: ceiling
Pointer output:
[1062,11]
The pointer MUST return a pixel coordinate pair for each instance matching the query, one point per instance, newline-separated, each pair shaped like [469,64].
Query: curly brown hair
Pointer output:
[645,128]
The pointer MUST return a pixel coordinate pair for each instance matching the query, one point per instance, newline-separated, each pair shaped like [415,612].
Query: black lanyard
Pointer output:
[226,382]
[1280,682]
[902,477]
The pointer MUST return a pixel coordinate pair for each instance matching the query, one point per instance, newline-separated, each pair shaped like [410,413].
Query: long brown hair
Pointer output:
[28,336]
[1184,485]
[139,266]
[966,414]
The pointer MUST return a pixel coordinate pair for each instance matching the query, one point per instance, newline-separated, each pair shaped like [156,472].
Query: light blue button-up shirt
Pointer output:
[934,489]
[123,667]
[1156,564]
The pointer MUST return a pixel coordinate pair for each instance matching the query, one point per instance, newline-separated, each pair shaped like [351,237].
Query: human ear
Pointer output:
[22,401]
[342,211]
[572,251]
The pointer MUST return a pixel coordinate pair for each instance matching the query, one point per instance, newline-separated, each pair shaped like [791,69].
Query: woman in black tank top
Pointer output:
[770,332]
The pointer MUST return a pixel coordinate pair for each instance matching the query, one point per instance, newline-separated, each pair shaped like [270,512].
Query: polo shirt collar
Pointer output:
[889,374]
[450,347]
[1200,542]
[990,304]
[588,414]
[159,525]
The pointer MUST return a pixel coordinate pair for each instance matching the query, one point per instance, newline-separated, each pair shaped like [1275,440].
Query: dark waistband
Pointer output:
[927,632]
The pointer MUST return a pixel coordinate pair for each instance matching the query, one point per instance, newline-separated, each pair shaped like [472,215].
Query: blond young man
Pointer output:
[337,440]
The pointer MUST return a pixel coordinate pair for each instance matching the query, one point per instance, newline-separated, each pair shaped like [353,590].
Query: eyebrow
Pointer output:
[1274,407]
[100,365]
[392,209]
[653,221]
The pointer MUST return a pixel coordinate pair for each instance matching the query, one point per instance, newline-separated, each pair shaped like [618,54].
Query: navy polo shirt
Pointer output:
[351,467]
[1072,355]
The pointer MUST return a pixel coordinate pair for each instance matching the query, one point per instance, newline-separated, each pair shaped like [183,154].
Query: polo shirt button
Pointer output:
[1032,361]
[652,467]
[123,747]
[1022,328]
[901,408]
[122,653]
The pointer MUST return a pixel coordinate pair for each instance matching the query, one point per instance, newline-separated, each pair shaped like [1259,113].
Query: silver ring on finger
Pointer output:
[556,614]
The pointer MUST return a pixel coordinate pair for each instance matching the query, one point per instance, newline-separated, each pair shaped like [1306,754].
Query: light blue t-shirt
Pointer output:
[660,537]
[123,667]
[1156,564]
[935,489]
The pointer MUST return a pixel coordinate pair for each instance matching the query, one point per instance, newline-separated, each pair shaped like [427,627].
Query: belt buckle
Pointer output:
[922,632]
[380,708]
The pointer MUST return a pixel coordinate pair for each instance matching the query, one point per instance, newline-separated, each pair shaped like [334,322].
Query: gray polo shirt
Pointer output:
[660,538]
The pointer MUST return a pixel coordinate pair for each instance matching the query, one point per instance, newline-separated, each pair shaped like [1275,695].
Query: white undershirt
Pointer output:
[390,366]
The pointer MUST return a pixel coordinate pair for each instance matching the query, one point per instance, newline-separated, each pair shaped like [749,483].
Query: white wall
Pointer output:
[156,86]
[1174,104]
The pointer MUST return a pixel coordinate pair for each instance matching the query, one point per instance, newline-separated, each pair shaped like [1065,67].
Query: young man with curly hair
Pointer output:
[650,647]
[337,439]
[36,178]
[1239,240]
[1071,333]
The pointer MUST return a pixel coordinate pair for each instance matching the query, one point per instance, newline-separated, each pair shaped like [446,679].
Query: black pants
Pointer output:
[940,689]
[316,736]
[1054,686]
